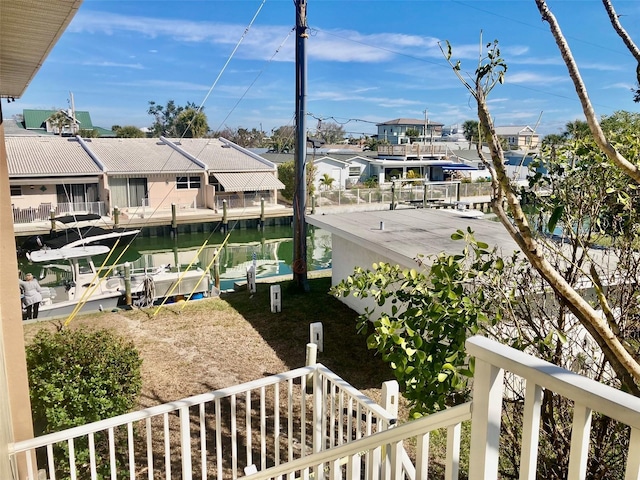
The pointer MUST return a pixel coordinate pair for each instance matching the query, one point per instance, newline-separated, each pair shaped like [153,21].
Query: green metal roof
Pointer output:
[36,119]
[104,132]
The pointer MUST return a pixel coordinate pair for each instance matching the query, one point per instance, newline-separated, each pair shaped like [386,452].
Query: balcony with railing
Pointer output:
[414,150]
[43,211]
[309,423]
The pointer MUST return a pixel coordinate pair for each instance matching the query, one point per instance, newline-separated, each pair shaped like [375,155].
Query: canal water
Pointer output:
[271,249]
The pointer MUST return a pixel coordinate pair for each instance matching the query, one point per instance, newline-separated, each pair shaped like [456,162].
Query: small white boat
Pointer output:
[84,287]
[151,285]
[97,293]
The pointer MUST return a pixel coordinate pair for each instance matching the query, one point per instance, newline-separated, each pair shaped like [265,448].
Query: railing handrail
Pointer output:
[607,400]
[445,418]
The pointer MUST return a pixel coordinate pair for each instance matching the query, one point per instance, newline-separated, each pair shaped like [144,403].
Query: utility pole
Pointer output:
[299,266]
[426,125]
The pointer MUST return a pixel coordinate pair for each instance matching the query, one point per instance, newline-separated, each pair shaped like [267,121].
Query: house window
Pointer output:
[354,171]
[16,190]
[187,182]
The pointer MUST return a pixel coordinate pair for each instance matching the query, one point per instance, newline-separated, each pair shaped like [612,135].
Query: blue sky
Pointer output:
[368,61]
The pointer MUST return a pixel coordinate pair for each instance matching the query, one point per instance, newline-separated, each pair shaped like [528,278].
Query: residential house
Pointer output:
[395,131]
[39,121]
[234,174]
[137,175]
[146,173]
[519,137]
[52,172]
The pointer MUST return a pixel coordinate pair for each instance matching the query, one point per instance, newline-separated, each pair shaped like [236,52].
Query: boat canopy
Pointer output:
[50,255]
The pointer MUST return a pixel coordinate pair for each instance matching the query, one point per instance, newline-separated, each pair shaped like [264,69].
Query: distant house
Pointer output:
[345,172]
[138,175]
[38,121]
[395,131]
[235,174]
[519,137]
[50,172]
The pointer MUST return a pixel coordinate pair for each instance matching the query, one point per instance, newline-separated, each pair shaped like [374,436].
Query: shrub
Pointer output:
[78,377]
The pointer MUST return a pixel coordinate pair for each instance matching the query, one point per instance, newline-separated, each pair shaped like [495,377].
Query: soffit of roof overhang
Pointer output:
[28,32]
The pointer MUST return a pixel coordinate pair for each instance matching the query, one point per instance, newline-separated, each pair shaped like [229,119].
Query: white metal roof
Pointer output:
[248,181]
[48,155]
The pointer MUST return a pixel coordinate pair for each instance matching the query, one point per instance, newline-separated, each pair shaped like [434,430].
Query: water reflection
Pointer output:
[272,250]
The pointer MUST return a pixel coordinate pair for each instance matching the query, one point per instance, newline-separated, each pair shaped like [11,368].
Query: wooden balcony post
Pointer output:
[485,420]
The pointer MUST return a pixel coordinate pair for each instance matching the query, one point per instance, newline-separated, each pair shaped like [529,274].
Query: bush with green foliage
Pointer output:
[424,318]
[78,377]
[81,376]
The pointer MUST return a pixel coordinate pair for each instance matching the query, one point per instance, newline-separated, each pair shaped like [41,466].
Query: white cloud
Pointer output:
[135,66]
[171,85]
[536,78]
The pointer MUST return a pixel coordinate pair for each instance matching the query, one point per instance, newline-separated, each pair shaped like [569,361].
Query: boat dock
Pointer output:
[165,222]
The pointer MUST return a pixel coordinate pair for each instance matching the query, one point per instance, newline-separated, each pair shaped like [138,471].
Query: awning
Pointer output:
[248,181]
[457,166]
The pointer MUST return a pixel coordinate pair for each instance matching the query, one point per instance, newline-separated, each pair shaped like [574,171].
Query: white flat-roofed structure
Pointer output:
[360,239]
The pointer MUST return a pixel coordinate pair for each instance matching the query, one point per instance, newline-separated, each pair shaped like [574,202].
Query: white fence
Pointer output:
[432,191]
[216,435]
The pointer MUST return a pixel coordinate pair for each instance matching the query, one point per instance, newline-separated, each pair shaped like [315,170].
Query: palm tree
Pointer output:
[58,121]
[327,181]
[471,131]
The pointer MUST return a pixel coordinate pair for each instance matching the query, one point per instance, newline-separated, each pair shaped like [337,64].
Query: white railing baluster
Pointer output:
[149,432]
[219,464]
[72,459]
[303,416]
[340,426]
[112,455]
[185,443]
[350,419]
[276,422]
[422,457]
[453,452]
[632,472]
[485,418]
[530,431]
[263,430]
[395,459]
[290,433]
[332,415]
[30,469]
[234,439]
[578,455]
[368,427]
[203,440]
[50,461]
[248,427]
[92,457]
[318,417]
[167,447]
[132,458]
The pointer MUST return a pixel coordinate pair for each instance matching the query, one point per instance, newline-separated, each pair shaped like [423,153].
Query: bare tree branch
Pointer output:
[618,159]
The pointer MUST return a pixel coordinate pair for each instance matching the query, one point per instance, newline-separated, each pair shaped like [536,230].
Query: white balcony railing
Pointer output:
[214,435]
[271,428]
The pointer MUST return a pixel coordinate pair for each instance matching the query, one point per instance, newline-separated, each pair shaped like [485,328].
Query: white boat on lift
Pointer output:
[95,293]
[85,286]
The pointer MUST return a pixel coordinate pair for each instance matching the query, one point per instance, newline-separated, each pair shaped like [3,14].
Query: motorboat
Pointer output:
[72,237]
[151,286]
[84,287]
